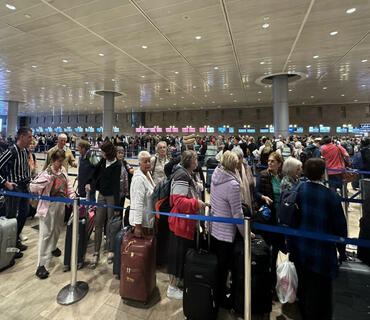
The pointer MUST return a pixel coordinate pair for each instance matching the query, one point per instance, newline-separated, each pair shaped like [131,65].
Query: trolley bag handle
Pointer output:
[207,231]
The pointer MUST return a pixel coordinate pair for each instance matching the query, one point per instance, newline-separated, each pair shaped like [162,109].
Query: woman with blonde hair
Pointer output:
[267,150]
[225,202]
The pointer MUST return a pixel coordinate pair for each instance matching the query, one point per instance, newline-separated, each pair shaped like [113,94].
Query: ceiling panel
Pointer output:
[176,70]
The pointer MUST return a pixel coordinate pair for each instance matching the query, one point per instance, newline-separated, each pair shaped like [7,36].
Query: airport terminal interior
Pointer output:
[177,70]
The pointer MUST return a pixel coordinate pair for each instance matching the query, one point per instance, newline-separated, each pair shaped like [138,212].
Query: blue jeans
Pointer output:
[336,182]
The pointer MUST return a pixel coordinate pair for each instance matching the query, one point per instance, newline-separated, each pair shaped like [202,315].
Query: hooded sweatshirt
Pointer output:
[225,202]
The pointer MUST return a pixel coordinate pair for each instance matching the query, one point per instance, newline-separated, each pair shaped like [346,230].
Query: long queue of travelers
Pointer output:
[234,193]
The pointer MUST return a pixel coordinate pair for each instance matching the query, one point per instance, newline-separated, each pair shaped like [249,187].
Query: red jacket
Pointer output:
[183,201]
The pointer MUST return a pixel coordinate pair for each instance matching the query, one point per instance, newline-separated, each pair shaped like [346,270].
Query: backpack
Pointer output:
[305,155]
[349,148]
[161,195]
[289,213]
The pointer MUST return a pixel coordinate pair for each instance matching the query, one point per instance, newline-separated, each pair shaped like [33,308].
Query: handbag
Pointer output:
[347,176]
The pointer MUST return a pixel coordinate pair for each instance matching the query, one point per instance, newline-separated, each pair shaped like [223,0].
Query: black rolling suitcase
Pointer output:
[351,292]
[163,236]
[200,284]
[211,165]
[261,289]
[81,241]
[117,250]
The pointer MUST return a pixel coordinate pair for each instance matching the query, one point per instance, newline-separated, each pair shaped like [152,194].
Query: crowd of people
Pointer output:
[234,192]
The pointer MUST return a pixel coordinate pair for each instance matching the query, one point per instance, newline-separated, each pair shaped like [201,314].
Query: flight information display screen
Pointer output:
[324,129]
[313,129]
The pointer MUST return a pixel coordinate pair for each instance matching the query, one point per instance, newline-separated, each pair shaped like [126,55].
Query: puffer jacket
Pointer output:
[183,198]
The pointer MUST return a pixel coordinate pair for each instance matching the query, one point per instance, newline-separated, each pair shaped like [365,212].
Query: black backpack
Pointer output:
[161,195]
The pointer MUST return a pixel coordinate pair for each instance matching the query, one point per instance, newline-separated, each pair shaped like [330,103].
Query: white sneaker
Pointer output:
[174,293]
[23,237]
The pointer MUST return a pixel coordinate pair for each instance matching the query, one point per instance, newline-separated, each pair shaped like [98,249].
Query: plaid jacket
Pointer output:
[321,212]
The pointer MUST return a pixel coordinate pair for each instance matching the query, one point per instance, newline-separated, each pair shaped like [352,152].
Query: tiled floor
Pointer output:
[23,296]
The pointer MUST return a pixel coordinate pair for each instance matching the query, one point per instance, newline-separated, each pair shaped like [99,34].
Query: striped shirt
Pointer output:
[14,165]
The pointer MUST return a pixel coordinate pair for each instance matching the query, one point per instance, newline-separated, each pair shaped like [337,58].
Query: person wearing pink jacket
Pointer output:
[53,182]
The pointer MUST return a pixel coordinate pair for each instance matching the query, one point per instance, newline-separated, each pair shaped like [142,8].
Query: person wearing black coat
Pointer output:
[268,193]
[106,179]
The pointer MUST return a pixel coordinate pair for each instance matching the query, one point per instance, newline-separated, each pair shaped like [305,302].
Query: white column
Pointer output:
[11,128]
[108,114]
[281,108]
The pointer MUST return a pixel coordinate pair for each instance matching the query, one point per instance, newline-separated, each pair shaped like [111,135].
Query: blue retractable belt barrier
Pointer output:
[258,226]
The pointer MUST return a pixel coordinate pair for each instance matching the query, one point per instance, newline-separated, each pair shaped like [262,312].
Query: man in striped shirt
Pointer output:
[15,176]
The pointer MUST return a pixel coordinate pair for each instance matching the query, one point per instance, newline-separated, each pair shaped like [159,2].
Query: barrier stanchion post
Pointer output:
[247,269]
[76,290]
[326,178]
[345,196]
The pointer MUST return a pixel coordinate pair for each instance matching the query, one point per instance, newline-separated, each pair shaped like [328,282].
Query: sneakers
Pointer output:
[21,246]
[23,237]
[18,255]
[56,252]
[42,273]
[174,293]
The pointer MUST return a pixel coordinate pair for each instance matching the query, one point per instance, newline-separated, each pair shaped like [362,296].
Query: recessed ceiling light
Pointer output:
[259,92]
[176,72]
[231,94]
[65,60]
[182,97]
[113,79]
[352,10]
[262,62]
[235,100]
[308,66]
[34,66]
[290,90]
[10,7]
[213,102]
[28,16]
[355,100]
[324,88]
[265,25]
[315,57]
[333,33]
[63,85]
[143,76]
[174,104]
[86,82]
[7,70]
[194,87]
[160,98]
[101,54]
[205,96]
[363,85]
[216,68]
[344,74]
[364,60]
[144,46]
[312,97]
[42,88]
[193,103]
[258,99]
[198,37]
[342,95]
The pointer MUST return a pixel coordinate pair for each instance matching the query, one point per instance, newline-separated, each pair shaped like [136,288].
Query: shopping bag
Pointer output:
[287,282]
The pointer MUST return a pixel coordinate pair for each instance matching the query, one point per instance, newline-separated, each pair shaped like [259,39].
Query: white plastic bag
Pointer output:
[287,282]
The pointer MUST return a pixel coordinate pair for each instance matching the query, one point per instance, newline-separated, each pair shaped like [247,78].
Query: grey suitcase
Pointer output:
[8,241]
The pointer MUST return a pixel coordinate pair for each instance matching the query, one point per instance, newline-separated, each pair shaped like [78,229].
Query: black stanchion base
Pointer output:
[69,294]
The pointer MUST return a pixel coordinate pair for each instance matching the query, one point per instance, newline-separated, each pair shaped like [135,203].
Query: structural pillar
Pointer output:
[108,110]
[11,127]
[281,108]
[108,114]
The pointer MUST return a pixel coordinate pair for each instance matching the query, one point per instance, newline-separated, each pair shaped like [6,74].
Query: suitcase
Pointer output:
[200,283]
[351,292]
[117,250]
[363,253]
[8,241]
[114,225]
[261,285]
[81,247]
[138,274]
